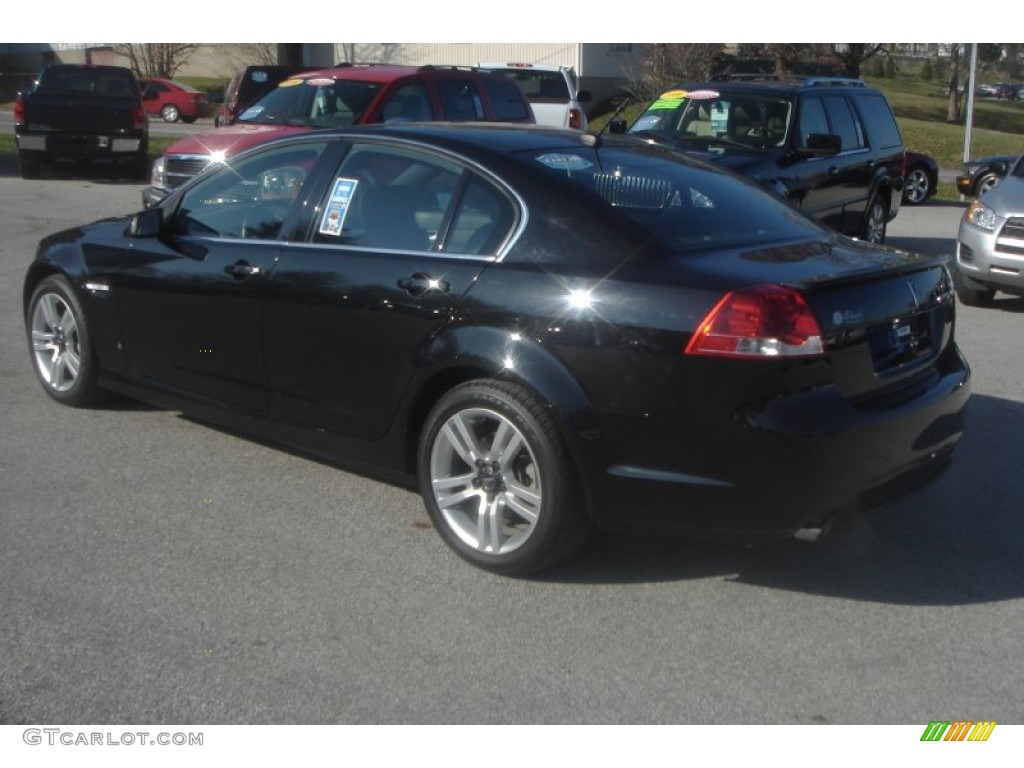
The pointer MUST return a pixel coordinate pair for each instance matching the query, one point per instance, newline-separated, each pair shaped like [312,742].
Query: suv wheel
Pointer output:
[875,219]
[985,183]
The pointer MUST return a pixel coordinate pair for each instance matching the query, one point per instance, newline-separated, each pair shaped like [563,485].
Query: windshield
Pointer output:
[687,205]
[745,120]
[316,103]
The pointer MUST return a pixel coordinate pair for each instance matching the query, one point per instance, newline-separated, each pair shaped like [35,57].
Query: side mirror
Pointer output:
[820,145]
[147,223]
[618,125]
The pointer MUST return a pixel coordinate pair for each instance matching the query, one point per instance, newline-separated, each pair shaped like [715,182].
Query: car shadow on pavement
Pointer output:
[940,246]
[100,173]
[959,541]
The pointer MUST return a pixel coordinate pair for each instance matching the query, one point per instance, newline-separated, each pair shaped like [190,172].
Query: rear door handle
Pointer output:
[420,283]
[241,270]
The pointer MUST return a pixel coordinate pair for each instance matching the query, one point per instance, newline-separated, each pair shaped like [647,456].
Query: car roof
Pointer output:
[781,86]
[385,73]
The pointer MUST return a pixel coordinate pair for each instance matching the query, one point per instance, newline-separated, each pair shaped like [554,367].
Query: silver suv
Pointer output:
[552,91]
[990,244]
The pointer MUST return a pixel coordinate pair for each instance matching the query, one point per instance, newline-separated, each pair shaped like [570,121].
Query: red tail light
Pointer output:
[19,112]
[575,119]
[759,321]
[139,116]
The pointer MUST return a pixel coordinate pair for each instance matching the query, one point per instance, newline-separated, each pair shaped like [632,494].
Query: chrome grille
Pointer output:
[181,168]
[1014,228]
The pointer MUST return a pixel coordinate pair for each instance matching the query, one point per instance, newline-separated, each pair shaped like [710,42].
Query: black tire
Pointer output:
[491,445]
[60,346]
[972,293]
[985,183]
[917,185]
[876,217]
[29,164]
[188,120]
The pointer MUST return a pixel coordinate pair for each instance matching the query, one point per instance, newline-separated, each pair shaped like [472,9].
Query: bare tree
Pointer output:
[255,54]
[155,59]
[955,101]
[851,56]
[662,65]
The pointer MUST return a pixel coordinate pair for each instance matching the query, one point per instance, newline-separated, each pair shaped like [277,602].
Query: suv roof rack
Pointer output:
[796,79]
[453,67]
[743,76]
[828,80]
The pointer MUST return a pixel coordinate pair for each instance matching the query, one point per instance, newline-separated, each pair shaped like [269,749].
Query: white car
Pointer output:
[553,92]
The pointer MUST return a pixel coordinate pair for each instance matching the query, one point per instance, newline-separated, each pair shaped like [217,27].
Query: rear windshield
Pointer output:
[316,103]
[684,204]
[539,86]
[81,80]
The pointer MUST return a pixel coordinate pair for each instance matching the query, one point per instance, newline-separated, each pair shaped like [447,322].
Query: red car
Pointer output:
[174,101]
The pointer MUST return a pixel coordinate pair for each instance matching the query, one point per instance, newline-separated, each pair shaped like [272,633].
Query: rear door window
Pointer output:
[882,129]
[844,123]
[505,100]
[461,101]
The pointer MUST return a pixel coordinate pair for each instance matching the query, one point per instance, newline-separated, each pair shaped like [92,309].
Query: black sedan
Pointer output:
[546,331]
[979,176]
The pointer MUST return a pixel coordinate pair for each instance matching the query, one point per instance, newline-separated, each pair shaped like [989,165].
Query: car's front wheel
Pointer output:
[497,480]
[60,344]
[169,113]
[985,183]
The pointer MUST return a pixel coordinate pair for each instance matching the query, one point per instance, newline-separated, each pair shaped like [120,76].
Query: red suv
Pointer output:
[349,94]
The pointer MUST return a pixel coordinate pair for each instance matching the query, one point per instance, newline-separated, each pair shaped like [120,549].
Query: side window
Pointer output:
[410,102]
[388,197]
[845,123]
[249,199]
[883,132]
[460,101]
[483,220]
[812,119]
[505,99]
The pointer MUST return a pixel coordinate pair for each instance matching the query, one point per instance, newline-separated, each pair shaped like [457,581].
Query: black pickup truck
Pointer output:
[82,112]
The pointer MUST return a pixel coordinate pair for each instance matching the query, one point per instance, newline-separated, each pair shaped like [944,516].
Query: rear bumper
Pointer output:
[80,145]
[765,471]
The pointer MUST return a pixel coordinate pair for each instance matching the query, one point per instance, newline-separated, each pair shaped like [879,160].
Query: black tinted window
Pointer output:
[507,103]
[883,132]
[812,119]
[460,101]
[844,123]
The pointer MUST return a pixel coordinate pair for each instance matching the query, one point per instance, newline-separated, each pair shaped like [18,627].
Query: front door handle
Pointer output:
[420,283]
[241,270]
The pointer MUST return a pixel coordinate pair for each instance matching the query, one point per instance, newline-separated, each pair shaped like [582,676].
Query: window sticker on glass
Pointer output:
[337,207]
[669,100]
[251,113]
[320,82]
[564,161]
[703,95]
[647,123]
[289,83]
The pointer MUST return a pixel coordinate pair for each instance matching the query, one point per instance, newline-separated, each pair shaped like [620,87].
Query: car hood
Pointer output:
[1008,198]
[231,139]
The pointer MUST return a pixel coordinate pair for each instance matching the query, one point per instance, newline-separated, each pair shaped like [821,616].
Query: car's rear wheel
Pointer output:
[916,186]
[60,344]
[29,165]
[170,113]
[985,183]
[875,219]
[497,480]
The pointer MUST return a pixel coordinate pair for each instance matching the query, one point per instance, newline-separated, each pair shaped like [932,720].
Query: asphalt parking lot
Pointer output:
[157,570]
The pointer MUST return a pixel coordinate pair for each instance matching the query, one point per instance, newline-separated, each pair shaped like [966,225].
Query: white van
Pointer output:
[553,92]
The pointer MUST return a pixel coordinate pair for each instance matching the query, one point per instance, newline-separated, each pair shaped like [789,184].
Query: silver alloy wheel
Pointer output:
[875,228]
[169,113]
[56,345]
[916,186]
[987,182]
[486,481]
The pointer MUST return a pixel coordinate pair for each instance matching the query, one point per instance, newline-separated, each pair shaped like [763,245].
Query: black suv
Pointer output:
[830,146]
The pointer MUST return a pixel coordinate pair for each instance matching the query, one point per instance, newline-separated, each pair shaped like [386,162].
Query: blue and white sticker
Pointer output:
[565,161]
[337,207]
[251,112]
[647,123]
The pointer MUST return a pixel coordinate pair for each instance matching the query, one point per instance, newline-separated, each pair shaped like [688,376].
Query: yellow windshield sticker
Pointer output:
[289,83]
[669,100]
